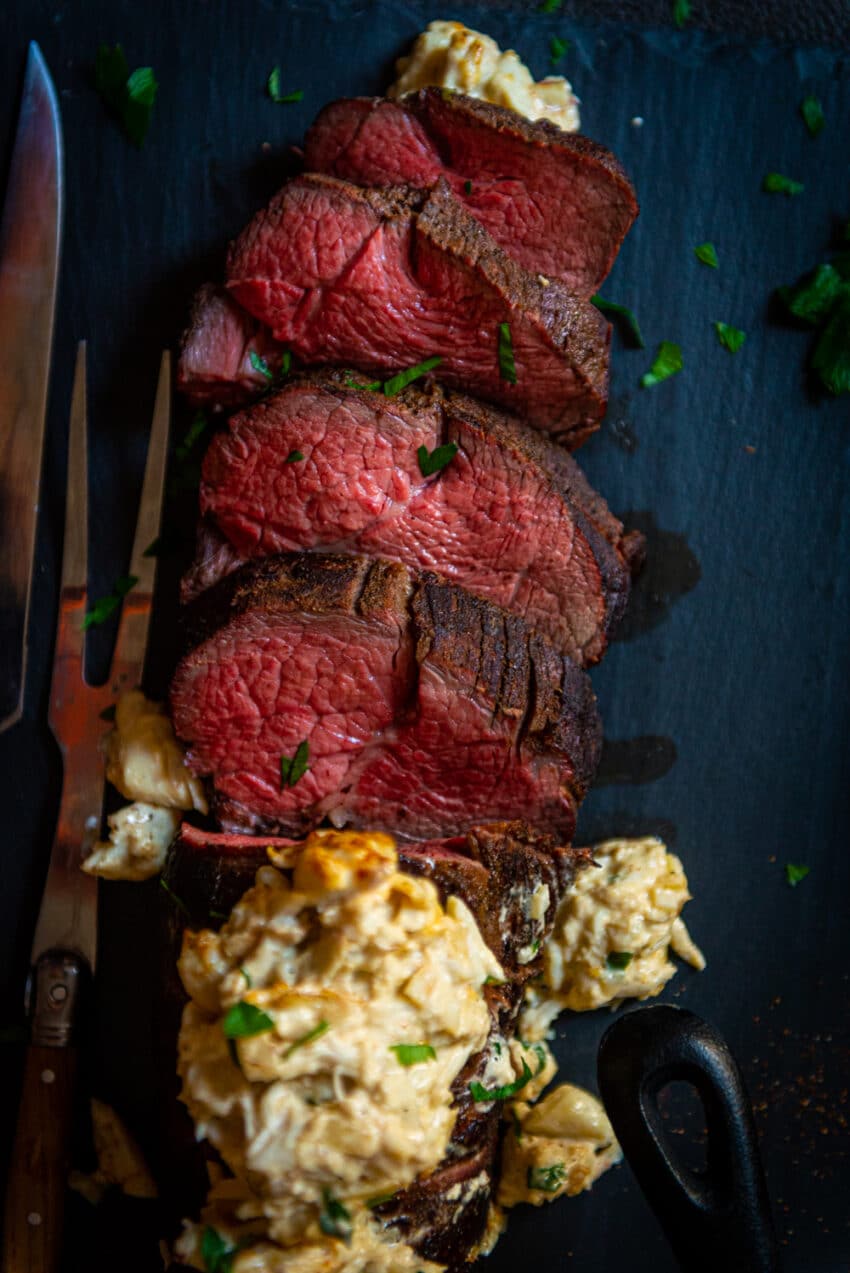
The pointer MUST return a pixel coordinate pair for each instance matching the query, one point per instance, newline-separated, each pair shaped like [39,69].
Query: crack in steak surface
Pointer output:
[510,519]
[383,279]
[426,710]
[558,202]
[496,870]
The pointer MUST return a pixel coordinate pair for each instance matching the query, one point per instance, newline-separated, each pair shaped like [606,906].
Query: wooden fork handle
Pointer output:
[38,1175]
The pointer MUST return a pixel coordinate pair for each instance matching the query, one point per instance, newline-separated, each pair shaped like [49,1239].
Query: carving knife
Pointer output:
[29,266]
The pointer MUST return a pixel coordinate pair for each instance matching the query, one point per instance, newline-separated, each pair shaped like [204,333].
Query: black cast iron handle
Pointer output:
[718,1220]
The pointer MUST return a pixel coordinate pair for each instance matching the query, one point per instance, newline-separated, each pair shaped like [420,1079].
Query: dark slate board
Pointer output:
[735,667]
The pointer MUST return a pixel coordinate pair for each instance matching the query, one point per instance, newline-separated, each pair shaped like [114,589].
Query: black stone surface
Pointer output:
[738,648]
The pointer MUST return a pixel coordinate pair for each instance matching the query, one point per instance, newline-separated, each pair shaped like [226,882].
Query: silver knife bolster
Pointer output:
[57,985]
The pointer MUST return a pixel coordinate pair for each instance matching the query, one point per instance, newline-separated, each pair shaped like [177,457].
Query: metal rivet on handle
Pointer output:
[34,1219]
[47,1076]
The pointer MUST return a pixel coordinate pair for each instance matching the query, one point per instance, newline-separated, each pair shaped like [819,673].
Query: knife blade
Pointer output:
[29,265]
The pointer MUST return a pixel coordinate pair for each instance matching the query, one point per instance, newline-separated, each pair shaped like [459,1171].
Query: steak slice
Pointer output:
[382,279]
[510,519]
[215,366]
[498,871]
[425,709]
[559,203]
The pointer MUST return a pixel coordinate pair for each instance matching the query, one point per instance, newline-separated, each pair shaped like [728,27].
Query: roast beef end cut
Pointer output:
[226,356]
[383,279]
[557,202]
[418,708]
[323,466]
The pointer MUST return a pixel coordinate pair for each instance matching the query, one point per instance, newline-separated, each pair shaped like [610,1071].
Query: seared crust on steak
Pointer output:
[426,710]
[381,278]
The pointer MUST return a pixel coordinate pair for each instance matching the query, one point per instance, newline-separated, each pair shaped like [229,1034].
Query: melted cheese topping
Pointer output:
[613,933]
[144,760]
[559,1146]
[348,962]
[139,838]
[450,55]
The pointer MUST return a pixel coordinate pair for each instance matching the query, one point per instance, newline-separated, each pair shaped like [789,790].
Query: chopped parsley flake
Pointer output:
[668,361]
[292,768]
[247,977]
[479,1092]
[294,457]
[731,338]
[507,366]
[431,462]
[273,88]
[196,430]
[618,960]
[467,187]
[831,355]
[351,383]
[775,183]
[812,299]
[285,364]
[260,365]
[413,1053]
[334,1218]
[379,1200]
[812,112]
[547,1179]
[216,1252]
[550,6]
[106,606]
[398,382]
[681,12]
[177,901]
[315,1033]
[129,96]
[557,49]
[707,253]
[629,324]
[243,1020]
[794,872]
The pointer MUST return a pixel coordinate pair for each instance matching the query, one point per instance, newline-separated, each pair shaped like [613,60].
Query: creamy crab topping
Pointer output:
[450,55]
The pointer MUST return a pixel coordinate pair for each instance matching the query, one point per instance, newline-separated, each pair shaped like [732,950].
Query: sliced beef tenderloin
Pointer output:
[559,203]
[510,518]
[511,878]
[216,367]
[214,558]
[383,279]
[425,710]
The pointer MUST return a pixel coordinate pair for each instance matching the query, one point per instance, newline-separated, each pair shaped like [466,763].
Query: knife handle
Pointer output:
[38,1174]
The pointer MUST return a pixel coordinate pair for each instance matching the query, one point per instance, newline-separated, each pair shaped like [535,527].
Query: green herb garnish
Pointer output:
[106,606]
[547,1179]
[731,338]
[216,1252]
[334,1218]
[794,872]
[507,366]
[178,901]
[831,354]
[413,1053]
[494,981]
[775,183]
[217,915]
[379,1200]
[517,1125]
[813,299]
[315,1033]
[243,1020]
[668,361]
[292,768]
[196,429]
[260,365]
[285,364]
[812,112]
[273,87]
[550,6]
[247,977]
[618,960]
[707,253]
[398,382]
[479,1092]
[129,96]
[629,324]
[431,462]
[351,383]
[681,12]
[294,457]
[557,49]
[467,187]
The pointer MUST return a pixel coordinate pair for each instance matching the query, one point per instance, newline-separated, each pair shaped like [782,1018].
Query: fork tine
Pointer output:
[131,644]
[70,637]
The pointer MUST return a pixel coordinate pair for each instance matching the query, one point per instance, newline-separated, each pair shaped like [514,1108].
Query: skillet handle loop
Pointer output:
[717,1219]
